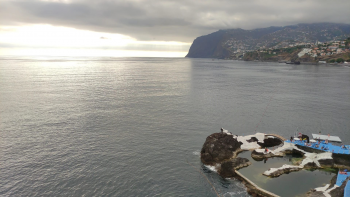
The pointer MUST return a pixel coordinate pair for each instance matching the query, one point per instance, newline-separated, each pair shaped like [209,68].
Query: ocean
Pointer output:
[93,126]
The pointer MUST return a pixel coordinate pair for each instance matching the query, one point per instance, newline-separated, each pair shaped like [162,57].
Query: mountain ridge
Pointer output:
[226,42]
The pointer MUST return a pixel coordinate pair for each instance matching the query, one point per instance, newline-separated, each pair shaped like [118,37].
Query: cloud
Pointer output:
[171,20]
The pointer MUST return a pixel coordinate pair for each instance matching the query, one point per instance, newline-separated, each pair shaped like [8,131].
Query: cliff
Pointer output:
[231,43]
[209,46]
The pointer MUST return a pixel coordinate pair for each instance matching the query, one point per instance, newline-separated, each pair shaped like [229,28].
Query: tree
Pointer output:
[340,60]
[332,60]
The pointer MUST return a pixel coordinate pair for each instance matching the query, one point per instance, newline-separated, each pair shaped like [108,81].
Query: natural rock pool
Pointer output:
[287,185]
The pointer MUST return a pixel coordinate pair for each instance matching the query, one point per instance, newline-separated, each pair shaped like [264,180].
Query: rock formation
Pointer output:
[219,147]
[227,168]
[270,141]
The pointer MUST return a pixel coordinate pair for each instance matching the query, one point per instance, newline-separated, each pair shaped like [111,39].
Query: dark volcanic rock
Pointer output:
[310,165]
[253,139]
[339,191]
[218,147]
[310,150]
[228,168]
[333,181]
[270,142]
[326,162]
[341,159]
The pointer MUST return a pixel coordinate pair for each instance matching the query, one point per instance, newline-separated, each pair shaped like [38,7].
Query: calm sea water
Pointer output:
[128,126]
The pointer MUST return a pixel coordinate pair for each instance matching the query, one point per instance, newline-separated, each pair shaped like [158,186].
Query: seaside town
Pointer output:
[318,51]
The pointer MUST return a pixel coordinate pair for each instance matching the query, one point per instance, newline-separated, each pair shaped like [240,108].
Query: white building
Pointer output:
[304,51]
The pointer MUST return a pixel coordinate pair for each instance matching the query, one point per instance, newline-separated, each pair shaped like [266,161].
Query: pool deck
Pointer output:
[329,147]
[341,178]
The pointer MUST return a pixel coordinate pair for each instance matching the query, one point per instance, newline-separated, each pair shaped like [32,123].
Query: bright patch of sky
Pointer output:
[63,41]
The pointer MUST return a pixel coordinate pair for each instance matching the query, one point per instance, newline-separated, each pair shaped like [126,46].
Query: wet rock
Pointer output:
[219,147]
[227,168]
[297,152]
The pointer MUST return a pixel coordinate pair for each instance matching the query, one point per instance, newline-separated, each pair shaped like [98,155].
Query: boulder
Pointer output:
[219,147]
[227,168]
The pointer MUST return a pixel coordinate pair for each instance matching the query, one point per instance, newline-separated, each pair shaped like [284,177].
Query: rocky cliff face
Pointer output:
[209,46]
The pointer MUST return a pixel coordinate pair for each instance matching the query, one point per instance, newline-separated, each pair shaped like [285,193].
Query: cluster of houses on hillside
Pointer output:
[322,49]
[314,49]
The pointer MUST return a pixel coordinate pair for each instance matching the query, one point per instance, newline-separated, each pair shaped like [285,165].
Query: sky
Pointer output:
[144,28]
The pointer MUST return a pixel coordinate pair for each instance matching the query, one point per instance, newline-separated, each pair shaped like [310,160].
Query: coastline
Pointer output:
[301,63]
[228,166]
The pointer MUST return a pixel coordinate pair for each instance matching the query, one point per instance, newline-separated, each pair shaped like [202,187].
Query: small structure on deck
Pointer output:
[326,137]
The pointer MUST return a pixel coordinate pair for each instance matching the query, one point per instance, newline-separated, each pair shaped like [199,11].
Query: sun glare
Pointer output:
[88,52]
[53,40]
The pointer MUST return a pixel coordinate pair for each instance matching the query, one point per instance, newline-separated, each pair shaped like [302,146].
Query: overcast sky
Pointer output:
[178,21]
